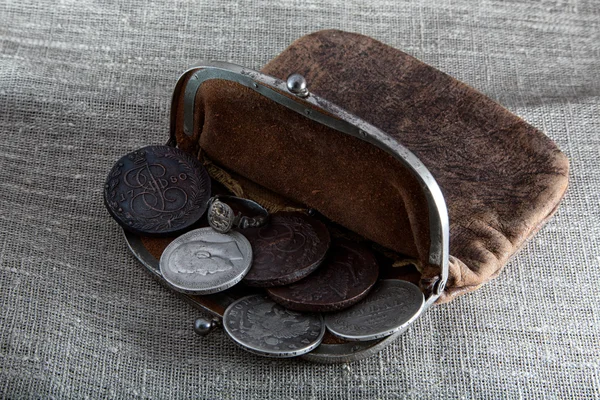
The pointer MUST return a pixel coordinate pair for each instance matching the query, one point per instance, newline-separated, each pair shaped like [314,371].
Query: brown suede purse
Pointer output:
[501,178]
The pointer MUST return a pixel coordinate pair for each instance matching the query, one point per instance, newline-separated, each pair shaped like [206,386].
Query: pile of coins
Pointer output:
[311,282]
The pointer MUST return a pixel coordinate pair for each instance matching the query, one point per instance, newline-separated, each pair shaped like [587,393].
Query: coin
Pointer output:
[204,261]
[157,191]
[287,249]
[345,277]
[263,327]
[389,308]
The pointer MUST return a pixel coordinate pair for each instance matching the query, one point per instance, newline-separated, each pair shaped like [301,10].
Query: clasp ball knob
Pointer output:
[296,84]
[203,326]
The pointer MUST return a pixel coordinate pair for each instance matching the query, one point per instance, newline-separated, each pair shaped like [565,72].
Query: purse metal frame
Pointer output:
[322,111]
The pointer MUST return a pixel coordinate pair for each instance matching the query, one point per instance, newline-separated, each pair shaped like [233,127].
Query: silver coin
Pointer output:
[205,261]
[389,308]
[263,327]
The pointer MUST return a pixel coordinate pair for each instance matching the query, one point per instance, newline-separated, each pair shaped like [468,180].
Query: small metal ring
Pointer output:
[228,212]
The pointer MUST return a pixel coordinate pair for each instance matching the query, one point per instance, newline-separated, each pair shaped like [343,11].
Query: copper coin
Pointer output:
[290,247]
[345,277]
[157,191]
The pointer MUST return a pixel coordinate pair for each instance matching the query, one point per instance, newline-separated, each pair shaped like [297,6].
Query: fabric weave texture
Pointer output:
[84,82]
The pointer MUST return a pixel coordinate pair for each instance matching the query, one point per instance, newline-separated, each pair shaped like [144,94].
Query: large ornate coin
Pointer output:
[286,250]
[345,277]
[263,327]
[389,308]
[157,190]
[205,261]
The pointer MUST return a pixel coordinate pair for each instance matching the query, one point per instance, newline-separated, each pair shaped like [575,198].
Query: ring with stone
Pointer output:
[228,212]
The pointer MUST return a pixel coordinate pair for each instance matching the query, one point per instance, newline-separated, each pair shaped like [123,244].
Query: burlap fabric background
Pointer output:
[82,82]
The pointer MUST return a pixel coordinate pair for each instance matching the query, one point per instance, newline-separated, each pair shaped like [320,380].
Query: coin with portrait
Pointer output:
[204,261]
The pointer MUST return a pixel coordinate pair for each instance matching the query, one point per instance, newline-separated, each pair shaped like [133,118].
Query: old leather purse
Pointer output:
[501,178]
[494,177]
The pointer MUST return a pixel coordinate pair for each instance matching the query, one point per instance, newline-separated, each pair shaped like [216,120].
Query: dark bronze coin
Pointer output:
[157,191]
[345,277]
[287,249]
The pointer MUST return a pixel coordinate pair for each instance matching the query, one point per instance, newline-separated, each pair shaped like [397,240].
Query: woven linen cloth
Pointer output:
[83,82]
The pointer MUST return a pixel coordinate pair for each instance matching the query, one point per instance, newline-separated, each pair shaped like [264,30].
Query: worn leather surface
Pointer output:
[501,177]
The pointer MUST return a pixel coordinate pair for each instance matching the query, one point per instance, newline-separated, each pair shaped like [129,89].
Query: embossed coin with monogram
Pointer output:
[345,277]
[286,250]
[157,191]
[263,327]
